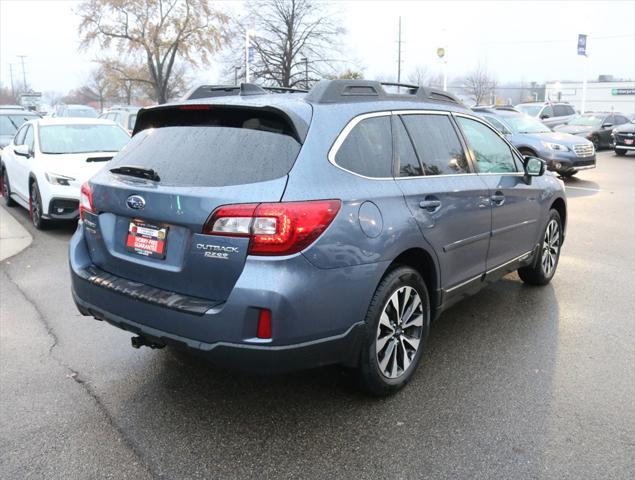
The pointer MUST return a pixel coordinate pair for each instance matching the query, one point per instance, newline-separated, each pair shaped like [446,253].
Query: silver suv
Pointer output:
[551,114]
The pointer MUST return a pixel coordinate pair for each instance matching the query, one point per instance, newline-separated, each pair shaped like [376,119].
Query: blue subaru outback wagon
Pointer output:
[277,231]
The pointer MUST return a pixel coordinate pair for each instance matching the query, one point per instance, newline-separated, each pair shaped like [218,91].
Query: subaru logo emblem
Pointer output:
[136,202]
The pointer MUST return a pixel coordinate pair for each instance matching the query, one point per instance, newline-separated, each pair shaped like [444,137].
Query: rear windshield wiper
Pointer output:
[140,172]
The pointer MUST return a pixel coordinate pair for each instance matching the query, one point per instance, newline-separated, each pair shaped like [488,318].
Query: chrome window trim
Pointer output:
[344,134]
[385,113]
[355,120]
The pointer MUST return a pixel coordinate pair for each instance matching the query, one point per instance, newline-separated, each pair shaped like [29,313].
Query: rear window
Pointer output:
[367,150]
[82,138]
[212,148]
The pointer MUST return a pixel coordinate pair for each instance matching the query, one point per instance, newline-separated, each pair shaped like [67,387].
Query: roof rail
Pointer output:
[244,89]
[348,91]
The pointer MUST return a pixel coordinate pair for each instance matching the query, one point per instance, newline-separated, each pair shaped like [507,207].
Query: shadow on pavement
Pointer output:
[485,359]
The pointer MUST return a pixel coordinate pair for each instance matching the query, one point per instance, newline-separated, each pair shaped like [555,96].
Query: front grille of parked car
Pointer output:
[584,163]
[583,150]
[620,137]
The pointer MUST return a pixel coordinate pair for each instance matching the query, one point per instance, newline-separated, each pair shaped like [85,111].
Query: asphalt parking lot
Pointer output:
[517,382]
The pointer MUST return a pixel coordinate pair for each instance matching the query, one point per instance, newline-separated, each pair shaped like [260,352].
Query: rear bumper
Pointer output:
[317,314]
[343,348]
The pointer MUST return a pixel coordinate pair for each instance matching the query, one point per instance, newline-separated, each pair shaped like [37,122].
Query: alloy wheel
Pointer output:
[399,332]
[5,186]
[34,204]
[550,247]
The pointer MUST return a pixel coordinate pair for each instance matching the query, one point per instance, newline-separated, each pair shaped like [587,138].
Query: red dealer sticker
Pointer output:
[147,240]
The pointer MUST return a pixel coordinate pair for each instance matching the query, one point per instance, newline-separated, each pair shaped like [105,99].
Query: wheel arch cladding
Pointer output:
[423,262]
[559,206]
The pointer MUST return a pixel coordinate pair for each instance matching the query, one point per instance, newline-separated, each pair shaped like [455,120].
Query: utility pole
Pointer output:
[236,69]
[11,74]
[22,57]
[399,54]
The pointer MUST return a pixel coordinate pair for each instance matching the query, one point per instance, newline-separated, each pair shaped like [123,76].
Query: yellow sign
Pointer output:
[441,52]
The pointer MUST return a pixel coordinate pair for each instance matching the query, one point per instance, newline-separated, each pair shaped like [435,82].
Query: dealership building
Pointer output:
[602,96]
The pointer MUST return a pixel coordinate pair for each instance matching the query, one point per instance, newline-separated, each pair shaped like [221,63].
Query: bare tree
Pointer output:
[295,41]
[479,84]
[98,88]
[154,33]
[422,76]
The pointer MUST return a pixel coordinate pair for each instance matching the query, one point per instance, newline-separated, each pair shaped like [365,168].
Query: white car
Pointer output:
[49,159]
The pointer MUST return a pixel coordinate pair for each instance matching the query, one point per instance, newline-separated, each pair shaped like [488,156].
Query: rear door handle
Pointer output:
[498,198]
[430,204]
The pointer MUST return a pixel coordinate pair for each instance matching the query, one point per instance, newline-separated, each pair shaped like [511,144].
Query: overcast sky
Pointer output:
[515,40]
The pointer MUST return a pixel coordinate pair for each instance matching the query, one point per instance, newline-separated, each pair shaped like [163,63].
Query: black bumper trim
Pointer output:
[146,293]
[338,349]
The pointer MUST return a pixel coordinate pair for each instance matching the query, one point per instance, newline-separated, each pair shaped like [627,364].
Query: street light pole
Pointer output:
[236,75]
[306,72]
[248,34]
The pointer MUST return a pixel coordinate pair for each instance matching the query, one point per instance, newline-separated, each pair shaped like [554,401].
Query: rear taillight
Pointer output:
[274,228]
[85,200]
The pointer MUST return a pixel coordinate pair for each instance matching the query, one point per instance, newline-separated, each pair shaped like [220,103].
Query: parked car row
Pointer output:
[47,160]
[564,153]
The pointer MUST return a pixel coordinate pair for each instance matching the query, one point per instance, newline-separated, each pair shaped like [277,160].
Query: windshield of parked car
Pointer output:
[526,124]
[9,124]
[59,139]
[532,110]
[586,121]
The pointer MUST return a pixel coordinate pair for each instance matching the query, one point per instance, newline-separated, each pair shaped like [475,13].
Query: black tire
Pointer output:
[596,142]
[545,265]
[620,151]
[6,188]
[35,207]
[395,345]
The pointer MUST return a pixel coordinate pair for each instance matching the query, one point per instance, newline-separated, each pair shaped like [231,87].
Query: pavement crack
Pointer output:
[85,385]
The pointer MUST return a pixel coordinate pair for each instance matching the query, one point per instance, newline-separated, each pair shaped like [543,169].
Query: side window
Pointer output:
[610,119]
[407,162]
[491,153]
[19,137]
[570,110]
[619,120]
[560,111]
[546,112]
[28,138]
[367,150]
[437,144]
[499,126]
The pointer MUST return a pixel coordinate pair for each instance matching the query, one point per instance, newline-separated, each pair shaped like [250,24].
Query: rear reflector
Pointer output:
[85,200]
[264,324]
[274,228]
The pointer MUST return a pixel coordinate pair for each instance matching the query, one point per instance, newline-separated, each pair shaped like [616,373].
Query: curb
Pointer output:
[13,237]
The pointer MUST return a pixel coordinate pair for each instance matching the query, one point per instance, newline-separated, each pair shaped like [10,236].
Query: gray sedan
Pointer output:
[564,153]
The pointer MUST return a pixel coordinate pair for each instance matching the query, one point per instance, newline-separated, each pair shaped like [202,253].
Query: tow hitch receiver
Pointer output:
[138,342]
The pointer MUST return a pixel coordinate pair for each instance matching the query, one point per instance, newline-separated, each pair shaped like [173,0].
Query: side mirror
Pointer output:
[534,167]
[544,116]
[607,125]
[22,150]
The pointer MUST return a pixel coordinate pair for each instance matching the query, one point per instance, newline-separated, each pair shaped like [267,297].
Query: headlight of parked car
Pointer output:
[55,179]
[555,146]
